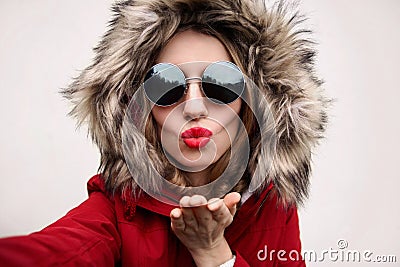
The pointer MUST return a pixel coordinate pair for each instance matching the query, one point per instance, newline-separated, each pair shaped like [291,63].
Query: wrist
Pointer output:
[229,263]
[214,256]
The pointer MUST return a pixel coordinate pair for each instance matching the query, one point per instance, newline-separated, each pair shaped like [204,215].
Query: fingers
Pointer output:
[224,210]
[220,212]
[200,211]
[177,223]
[195,213]
[231,200]
[215,204]
[197,226]
[197,200]
[187,212]
[198,214]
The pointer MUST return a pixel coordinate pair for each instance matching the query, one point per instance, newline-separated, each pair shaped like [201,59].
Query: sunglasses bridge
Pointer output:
[189,80]
[193,78]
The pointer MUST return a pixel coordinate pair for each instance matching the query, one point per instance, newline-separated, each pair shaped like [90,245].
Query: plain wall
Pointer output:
[45,162]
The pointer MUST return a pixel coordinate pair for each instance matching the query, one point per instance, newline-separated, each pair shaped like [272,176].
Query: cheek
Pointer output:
[169,120]
[229,120]
[236,105]
[160,115]
[226,115]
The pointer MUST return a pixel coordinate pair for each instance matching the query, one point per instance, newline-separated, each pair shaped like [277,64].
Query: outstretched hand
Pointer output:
[200,225]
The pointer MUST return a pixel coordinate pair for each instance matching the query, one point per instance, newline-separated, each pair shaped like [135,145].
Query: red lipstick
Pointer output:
[196,137]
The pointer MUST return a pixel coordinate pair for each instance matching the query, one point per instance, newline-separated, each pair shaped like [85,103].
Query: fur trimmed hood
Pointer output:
[274,52]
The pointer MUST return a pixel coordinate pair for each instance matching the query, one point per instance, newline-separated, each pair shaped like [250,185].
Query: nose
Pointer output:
[194,105]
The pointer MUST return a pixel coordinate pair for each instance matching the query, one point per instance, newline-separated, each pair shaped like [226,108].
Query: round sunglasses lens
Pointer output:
[172,96]
[164,84]
[223,82]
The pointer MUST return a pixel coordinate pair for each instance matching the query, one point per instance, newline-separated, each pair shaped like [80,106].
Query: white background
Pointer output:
[45,162]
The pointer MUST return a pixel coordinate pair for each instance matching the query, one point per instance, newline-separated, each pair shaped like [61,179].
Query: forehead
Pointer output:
[190,46]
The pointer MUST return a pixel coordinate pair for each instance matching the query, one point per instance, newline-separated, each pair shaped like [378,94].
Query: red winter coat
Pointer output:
[105,231]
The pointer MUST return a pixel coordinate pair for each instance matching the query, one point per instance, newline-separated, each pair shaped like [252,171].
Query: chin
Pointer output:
[189,163]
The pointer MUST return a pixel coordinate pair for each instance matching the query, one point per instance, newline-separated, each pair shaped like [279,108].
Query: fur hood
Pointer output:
[275,52]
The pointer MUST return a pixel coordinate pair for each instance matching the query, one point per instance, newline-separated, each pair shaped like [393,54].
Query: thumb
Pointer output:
[231,200]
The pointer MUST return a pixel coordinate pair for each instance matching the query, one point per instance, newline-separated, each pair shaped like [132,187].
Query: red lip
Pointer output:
[196,137]
[196,132]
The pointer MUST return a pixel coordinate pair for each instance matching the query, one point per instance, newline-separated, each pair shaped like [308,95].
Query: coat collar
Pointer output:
[250,206]
[143,200]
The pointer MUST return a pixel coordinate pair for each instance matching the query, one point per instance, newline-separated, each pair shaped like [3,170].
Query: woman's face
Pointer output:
[195,131]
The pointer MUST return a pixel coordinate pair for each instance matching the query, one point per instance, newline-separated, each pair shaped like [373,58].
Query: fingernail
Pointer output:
[214,205]
[175,214]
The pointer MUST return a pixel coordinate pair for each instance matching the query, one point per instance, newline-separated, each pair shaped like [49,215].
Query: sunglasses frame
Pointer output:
[185,79]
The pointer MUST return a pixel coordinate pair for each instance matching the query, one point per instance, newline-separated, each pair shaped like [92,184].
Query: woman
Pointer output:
[194,170]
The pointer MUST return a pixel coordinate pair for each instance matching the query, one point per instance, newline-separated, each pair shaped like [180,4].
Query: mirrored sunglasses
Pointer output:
[222,82]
